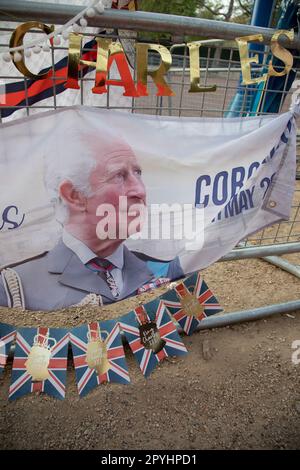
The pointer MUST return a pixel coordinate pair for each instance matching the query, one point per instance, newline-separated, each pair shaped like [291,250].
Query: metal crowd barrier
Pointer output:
[219,64]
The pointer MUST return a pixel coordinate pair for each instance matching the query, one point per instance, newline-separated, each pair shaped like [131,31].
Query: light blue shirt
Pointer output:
[85,254]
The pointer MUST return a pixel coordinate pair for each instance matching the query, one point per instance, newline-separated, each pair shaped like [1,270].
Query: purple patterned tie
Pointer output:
[104,266]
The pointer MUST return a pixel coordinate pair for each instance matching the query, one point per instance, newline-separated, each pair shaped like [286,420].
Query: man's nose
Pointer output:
[135,187]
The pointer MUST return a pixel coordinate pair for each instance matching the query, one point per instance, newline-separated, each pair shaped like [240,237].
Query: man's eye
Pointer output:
[119,176]
[138,172]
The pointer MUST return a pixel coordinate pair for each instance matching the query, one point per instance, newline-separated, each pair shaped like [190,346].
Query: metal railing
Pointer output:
[141,21]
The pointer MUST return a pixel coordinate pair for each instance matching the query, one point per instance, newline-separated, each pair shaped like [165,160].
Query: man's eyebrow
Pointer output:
[137,165]
[112,167]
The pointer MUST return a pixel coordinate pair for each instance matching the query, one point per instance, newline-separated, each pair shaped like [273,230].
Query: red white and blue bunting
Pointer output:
[151,330]
[40,362]
[151,335]
[98,355]
[7,336]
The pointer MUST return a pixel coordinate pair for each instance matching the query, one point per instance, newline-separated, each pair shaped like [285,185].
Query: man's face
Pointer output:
[115,176]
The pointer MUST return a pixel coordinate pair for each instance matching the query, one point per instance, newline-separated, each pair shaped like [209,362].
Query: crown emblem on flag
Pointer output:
[189,302]
[96,353]
[39,357]
[149,335]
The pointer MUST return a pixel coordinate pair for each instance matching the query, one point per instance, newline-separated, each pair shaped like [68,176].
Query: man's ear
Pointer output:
[74,198]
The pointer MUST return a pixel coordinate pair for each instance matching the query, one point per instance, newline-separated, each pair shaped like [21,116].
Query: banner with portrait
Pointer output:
[102,202]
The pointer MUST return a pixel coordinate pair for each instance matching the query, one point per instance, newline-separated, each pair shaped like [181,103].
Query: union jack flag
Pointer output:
[160,340]
[7,336]
[196,286]
[21,382]
[108,334]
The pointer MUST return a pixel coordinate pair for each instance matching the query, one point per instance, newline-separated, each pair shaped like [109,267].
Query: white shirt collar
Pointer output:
[85,254]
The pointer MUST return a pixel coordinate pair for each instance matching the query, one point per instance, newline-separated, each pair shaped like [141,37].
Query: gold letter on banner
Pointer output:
[16,40]
[116,54]
[281,53]
[246,61]
[107,53]
[195,69]
[73,60]
[157,75]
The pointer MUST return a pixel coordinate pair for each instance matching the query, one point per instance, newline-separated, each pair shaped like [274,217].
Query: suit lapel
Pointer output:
[58,258]
[77,275]
[135,273]
[62,260]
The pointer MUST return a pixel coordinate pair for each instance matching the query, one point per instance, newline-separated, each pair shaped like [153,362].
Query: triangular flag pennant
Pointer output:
[7,336]
[190,302]
[40,362]
[151,335]
[98,355]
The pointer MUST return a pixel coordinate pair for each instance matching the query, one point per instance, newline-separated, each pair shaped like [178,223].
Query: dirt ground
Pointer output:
[243,394]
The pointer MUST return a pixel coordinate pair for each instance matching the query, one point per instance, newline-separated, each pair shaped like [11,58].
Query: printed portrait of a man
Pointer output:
[84,174]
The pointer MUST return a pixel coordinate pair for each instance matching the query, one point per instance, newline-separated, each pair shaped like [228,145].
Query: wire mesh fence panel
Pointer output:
[220,67]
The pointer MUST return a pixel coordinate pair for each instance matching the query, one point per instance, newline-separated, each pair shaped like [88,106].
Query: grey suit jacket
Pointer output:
[58,279]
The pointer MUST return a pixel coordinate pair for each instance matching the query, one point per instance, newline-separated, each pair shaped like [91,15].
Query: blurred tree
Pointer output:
[212,9]
[238,11]
[173,7]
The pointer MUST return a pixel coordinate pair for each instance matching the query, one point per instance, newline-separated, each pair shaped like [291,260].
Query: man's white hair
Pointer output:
[72,159]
